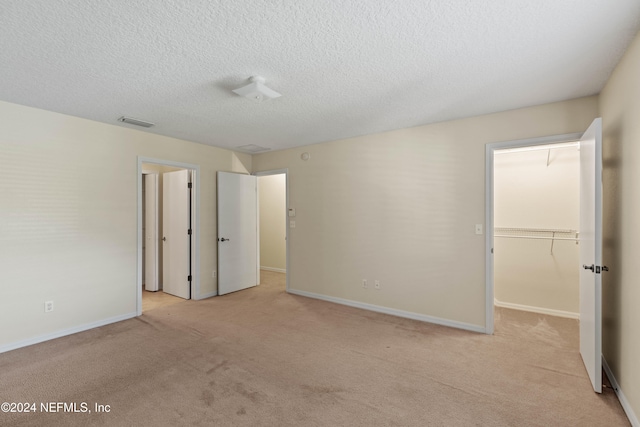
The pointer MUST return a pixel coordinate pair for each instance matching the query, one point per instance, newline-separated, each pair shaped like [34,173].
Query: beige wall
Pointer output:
[68,192]
[531,194]
[272,203]
[620,109]
[400,207]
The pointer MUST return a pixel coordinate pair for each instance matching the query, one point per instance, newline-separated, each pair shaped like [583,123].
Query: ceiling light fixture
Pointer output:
[256,90]
[137,122]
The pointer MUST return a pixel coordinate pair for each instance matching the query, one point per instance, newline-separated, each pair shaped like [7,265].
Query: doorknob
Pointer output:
[589,267]
[164,239]
[224,240]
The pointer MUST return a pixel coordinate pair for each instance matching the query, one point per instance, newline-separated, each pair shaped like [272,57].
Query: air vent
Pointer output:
[252,148]
[137,122]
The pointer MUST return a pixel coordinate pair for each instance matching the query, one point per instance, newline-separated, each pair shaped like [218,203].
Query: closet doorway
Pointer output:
[536,206]
[516,220]
[168,232]
[274,220]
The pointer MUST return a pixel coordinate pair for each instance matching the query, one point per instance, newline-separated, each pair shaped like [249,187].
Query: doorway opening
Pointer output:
[275,217]
[525,222]
[168,233]
[536,220]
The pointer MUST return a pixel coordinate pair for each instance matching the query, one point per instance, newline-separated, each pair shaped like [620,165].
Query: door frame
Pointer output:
[195,221]
[284,172]
[489,209]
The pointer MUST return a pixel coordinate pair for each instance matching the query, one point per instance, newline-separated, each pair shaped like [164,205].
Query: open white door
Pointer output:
[591,252]
[176,256]
[151,282]
[237,232]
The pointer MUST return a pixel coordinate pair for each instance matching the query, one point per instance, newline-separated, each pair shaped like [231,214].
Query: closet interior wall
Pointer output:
[537,216]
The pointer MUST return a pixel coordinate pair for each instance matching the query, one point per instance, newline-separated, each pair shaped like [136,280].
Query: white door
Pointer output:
[237,232]
[151,282]
[591,252]
[176,257]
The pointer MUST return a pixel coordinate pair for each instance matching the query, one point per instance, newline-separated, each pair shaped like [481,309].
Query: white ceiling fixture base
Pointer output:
[257,90]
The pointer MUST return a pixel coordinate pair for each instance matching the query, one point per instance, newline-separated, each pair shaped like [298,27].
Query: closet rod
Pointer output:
[526,233]
[575,239]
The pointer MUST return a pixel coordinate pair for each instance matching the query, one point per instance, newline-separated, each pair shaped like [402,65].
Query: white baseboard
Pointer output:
[549,311]
[65,332]
[633,419]
[391,311]
[277,270]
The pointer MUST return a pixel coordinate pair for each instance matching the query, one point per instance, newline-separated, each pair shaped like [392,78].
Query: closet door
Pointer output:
[151,282]
[176,230]
[591,252]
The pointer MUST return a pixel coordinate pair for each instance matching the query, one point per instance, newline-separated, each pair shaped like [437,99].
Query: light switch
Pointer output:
[292,212]
[478,228]
[292,224]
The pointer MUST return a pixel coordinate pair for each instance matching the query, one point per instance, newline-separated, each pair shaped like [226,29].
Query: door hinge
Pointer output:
[188,278]
[189,232]
[189,185]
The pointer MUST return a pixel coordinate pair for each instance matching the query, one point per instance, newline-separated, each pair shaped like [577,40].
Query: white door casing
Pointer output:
[237,232]
[591,252]
[151,233]
[176,243]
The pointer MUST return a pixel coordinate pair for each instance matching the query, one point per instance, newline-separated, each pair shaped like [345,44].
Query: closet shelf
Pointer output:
[552,234]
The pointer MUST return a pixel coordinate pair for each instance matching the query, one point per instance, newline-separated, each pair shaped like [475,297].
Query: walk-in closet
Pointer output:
[536,229]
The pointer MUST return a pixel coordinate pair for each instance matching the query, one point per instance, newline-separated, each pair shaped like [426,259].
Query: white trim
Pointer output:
[391,311]
[488,232]
[286,227]
[258,278]
[65,332]
[277,270]
[541,310]
[633,419]
[488,209]
[195,243]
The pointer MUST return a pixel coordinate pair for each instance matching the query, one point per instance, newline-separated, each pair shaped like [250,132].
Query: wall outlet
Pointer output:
[292,224]
[214,274]
[364,283]
[478,228]
[48,306]
[377,284]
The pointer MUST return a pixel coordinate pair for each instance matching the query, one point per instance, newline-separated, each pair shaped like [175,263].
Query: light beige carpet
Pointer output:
[262,357]
[153,300]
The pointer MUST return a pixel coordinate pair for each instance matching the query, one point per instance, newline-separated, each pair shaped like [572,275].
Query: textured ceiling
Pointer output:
[344,68]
